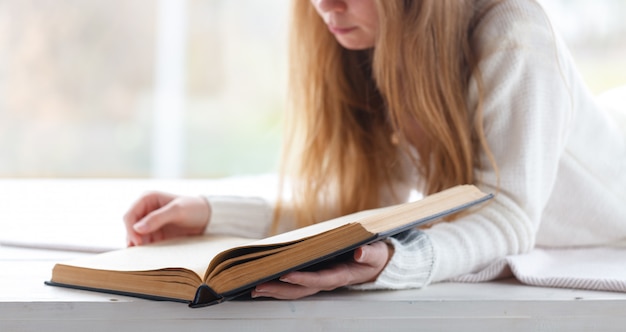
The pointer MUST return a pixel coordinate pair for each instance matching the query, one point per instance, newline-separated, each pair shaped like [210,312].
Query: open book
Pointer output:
[205,270]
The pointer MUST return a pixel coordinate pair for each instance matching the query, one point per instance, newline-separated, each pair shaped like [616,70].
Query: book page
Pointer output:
[380,220]
[305,232]
[428,209]
[192,253]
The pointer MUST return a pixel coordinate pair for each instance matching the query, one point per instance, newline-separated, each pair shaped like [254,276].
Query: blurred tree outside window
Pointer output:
[117,88]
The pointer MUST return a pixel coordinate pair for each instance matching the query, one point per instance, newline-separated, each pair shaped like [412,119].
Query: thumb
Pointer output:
[372,254]
[154,221]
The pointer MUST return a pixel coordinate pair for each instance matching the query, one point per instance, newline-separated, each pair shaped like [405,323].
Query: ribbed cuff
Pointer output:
[239,216]
[411,265]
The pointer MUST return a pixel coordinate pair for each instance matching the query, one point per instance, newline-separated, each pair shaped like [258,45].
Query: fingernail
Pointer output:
[289,277]
[140,227]
[359,254]
[133,240]
[257,292]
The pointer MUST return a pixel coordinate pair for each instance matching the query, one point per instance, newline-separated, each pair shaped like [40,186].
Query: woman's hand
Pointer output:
[158,216]
[368,262]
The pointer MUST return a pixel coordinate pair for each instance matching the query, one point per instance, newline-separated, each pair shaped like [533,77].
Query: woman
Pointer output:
[390,96]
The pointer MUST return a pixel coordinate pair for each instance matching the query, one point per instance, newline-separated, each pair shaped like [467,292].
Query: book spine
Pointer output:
[205,296]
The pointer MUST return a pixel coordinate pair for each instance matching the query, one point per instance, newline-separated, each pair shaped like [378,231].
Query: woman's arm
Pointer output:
[527,117]
[527,109]
[158,216]
[527,113]
[240,216]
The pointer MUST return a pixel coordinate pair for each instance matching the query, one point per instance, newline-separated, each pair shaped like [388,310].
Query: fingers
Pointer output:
[159,216]
[296,285]
[282,291]
[372,254]
[368,262]
[140,209]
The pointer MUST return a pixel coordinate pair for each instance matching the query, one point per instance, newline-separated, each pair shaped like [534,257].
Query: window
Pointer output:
[172,88]
[141,88]
[594,31]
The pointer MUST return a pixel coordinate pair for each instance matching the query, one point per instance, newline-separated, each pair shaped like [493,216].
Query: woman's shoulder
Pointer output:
[511,24]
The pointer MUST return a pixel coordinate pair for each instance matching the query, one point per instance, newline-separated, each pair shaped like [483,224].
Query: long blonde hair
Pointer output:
[353,114]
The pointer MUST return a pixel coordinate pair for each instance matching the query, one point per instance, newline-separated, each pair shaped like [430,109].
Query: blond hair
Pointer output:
[353,114]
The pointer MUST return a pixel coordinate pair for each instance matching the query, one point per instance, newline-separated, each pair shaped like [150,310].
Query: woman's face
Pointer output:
[354,23]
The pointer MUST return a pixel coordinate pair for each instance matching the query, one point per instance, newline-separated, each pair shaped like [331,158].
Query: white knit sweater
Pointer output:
[561,161]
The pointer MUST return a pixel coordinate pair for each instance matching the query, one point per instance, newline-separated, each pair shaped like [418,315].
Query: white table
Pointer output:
[26,304]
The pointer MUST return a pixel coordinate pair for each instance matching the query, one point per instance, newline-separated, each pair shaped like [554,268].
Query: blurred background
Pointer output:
[184,89]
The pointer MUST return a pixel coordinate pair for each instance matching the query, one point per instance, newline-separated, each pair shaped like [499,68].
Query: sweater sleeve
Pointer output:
[239,216]
[247,216]
[526,112]
[411,265]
